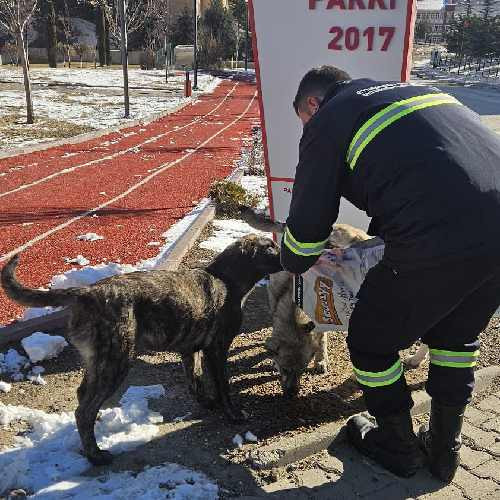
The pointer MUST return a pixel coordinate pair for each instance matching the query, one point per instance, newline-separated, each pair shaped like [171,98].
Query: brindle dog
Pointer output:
[183,311]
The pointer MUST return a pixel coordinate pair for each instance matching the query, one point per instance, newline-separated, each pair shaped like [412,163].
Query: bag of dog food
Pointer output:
[327,292]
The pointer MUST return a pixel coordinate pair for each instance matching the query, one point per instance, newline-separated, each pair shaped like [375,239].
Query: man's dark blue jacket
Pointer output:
[414,159]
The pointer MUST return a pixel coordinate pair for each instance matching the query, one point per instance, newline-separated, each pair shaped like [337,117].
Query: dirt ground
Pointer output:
[203,441]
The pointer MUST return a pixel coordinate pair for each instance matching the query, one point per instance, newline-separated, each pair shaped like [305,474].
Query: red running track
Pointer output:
[128,186]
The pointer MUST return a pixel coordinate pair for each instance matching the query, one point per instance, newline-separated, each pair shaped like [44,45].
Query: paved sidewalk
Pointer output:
[344,474]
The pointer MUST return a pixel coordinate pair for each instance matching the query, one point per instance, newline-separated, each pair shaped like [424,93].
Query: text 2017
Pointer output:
[353,39]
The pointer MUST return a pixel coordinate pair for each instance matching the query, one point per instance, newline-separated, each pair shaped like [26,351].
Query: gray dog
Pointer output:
[184,311]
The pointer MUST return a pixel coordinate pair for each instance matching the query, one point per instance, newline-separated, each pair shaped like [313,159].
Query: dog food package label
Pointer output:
[327,292]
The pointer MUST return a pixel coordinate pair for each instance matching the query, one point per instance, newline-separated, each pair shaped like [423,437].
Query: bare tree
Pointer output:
[125,17]
[156,29]
[70,37]
[82,50]
[14,17]
[137,14]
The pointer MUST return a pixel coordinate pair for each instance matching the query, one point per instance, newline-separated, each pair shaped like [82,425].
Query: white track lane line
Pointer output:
[116,154]
[163,167]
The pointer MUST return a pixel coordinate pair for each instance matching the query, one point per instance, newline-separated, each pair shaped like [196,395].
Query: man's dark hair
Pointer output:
[316,83]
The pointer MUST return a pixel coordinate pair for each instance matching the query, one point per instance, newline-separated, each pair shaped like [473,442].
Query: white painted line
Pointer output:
[116,154]
[162,169]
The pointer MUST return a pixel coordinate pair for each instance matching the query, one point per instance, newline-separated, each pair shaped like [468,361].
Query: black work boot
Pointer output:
[441,440]
[392,443]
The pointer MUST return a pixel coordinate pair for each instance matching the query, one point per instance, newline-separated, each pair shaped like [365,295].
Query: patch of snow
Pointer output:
[37,369]
[251,437]
[181,419]
[238,441]
[77,96]
[89,237]
[37,312]
[49,455]
[427,75]
[40,346]
[12,362]
[89,275]
[227,231]
[164,481]
[36,379]
[5,387]
[79,259]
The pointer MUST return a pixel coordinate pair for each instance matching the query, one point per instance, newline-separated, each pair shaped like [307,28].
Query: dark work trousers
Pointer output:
[446,306]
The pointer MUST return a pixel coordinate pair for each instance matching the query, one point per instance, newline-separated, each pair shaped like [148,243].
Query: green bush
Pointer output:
[231,198]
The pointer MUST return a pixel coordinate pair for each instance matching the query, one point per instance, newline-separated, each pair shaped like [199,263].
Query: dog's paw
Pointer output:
[321,367]
[101,457]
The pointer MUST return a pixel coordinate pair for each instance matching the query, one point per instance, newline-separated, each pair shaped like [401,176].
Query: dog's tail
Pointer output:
[30,296]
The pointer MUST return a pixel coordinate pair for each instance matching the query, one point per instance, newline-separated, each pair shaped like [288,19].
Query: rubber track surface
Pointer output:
[128,186]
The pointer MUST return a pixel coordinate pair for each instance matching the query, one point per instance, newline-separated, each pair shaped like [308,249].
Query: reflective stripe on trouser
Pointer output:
[380,379]
[303,249]
[371,128]
[453,359]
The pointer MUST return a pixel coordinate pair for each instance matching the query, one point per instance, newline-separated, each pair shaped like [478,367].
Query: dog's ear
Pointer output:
[271,345]
[308,327]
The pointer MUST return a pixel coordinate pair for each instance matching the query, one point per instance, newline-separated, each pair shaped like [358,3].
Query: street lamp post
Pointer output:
[123,26]
[246,40]
[195,46]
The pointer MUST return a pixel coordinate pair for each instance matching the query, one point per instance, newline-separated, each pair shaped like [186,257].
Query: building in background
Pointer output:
[433,19]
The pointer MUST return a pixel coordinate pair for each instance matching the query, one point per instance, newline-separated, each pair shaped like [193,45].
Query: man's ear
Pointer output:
[313,104]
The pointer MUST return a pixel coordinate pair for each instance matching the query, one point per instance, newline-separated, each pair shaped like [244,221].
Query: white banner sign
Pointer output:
[366,38]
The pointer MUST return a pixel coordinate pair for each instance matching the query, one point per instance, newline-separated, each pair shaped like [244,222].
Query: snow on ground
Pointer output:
[18,367]
[89,98]
[40,346]
[46,461]
[165,481]
[105,78]
[226,232]
[425,70]
[257,185]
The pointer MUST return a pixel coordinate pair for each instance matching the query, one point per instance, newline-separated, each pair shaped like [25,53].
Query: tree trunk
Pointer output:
[107,42]
[30,118]
[51,34]
[101,38]
[124,50]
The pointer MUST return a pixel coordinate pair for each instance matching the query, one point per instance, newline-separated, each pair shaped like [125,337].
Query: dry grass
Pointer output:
[13,127]
[230,198]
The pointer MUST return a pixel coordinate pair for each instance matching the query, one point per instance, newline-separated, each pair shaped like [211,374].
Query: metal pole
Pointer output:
[246,42]
[124,50]
[195,46]
[166,59]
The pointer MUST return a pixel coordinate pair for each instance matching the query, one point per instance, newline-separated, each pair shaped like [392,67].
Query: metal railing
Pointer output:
[487,67]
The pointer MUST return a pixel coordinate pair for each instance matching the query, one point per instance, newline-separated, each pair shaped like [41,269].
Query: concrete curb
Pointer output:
[76,139]
[57,320]
[186,241]
[293,449]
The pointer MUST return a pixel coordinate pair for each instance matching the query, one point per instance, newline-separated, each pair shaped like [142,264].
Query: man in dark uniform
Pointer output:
[428,173]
